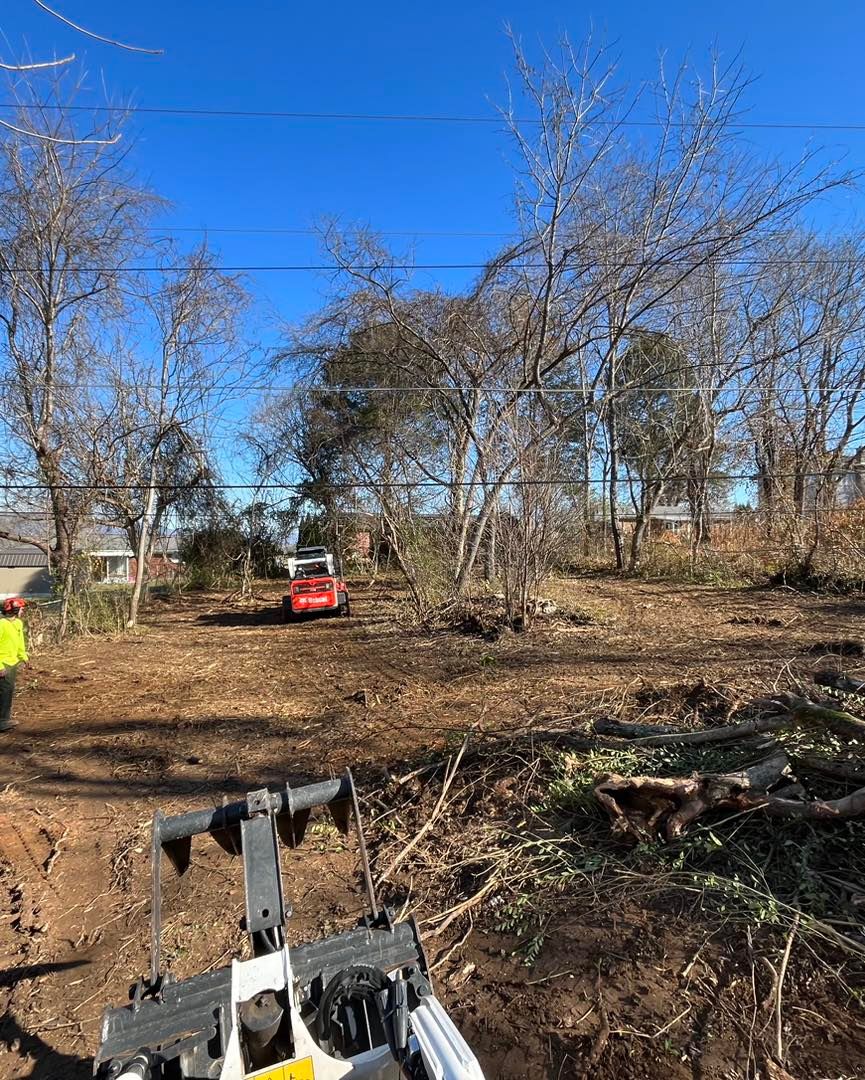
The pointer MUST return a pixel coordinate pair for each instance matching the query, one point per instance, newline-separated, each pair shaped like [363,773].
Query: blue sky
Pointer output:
[446,57]
[443,58]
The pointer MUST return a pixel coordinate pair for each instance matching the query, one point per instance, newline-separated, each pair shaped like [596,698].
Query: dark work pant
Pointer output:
[7,692]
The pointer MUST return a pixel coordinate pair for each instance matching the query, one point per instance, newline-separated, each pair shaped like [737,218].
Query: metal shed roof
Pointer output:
[12,559]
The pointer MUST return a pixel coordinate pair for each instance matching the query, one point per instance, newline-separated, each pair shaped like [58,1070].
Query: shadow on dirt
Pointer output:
[48,1063]
[10,976]
[269,616]
[166,758]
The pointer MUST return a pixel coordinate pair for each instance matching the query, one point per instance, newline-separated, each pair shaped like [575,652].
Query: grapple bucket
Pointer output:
[356,1004]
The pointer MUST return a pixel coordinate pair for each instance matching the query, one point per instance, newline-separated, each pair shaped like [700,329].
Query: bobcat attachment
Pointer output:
[358,1004]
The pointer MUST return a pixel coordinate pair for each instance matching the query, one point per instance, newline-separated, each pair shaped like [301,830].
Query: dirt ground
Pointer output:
[213,698]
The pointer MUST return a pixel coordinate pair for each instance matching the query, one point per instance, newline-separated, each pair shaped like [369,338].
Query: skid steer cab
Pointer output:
[316,588]
[358,1004]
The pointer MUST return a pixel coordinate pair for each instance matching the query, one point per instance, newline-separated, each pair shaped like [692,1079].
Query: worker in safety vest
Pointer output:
[13,651]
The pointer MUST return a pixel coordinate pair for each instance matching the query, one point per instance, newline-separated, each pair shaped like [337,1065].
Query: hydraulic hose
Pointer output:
[137,1068]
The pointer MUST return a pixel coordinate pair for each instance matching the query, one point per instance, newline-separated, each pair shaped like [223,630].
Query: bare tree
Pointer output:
[70,220]
[621,241]
[147,444]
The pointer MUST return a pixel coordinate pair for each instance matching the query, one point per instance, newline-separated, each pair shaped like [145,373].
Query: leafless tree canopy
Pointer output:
[660,303]
[110,378]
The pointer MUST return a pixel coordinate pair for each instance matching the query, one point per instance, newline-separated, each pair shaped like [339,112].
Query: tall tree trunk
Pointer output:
[490,503]
[637,536]
[613,481]
[144,545]
[648,501]
[490,553]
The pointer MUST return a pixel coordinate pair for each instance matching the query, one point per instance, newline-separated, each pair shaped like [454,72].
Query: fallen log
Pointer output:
[837,720]
[728,733]
[832,769]
[798,711]
[639,807]
[624,729]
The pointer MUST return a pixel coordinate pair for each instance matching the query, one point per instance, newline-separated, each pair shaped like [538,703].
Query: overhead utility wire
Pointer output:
[379,267]
[417,118]
[401,484]
[297,231]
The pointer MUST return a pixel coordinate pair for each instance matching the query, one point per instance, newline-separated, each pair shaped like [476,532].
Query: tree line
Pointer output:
[663,321]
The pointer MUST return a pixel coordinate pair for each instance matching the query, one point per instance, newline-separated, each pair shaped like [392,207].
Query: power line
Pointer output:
[659,264]
[414,118]
[561,481]
[292,230]
[295,390]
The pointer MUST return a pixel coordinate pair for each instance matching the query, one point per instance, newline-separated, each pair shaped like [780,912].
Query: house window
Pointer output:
[116,568]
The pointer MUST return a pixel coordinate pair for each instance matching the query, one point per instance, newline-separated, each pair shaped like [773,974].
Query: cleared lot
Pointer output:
[215,698]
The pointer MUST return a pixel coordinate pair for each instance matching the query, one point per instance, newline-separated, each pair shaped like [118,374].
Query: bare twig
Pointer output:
[782,971]
[600,1041]
[30,133]
[428,824]
[39,65]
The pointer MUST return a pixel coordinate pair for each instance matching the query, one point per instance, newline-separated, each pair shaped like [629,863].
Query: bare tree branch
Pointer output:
[39,65]
[95,36]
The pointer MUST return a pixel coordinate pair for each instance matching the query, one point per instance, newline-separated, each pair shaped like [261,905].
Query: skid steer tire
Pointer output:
[344,605]
[288,614]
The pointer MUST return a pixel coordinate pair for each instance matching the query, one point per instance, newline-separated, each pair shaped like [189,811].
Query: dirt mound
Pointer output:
[844,647]
[689,702]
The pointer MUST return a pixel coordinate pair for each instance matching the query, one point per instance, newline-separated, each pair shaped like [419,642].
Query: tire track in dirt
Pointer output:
[25,846]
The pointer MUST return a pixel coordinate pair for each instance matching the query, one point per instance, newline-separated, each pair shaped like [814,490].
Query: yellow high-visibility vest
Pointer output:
[13,646]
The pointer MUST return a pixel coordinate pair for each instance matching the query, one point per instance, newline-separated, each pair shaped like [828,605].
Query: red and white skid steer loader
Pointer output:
[316,588]
[357,1005]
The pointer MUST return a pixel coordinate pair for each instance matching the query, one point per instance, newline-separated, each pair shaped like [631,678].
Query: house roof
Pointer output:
[103,542]
[94,539]
[29,557]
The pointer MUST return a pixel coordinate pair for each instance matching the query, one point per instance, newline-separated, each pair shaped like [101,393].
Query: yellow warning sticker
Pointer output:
[289,1070]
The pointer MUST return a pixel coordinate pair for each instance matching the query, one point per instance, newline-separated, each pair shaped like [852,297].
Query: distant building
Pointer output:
[113,561]
[673,519]
[25,571]
[850,481]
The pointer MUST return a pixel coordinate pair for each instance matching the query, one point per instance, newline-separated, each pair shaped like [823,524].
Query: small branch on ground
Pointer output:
[782,971]
[428,824]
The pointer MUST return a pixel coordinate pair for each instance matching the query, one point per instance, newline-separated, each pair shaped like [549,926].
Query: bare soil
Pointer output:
[215,698]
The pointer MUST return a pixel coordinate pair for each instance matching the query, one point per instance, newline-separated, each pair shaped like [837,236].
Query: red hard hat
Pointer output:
[14,603]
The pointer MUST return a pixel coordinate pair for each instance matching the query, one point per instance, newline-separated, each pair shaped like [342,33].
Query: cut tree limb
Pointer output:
[799,712]
[851,806]
[839,682]
[641,806]
[834,770]
[842,723]
[729,733]
[624,729]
